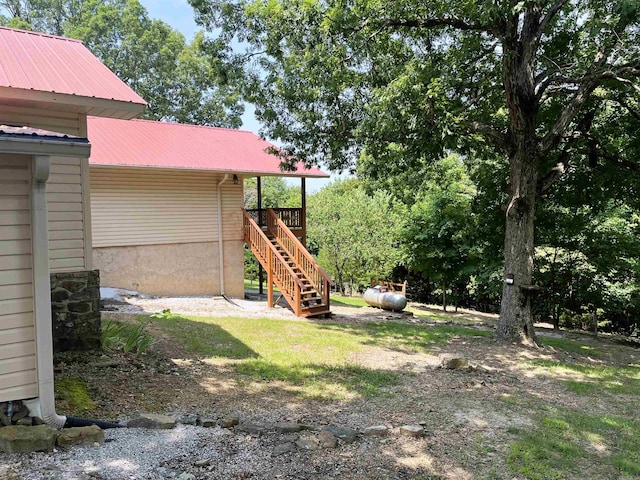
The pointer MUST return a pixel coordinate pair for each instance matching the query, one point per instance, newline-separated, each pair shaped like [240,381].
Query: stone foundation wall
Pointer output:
[75,308]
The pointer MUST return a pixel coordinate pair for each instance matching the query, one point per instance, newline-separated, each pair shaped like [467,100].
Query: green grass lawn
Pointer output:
[595,379]
[568,443]
[568,345]
[255,285]
[348,301]
[320,359]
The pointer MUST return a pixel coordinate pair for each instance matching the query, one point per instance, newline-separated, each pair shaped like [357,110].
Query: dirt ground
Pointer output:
[467,414]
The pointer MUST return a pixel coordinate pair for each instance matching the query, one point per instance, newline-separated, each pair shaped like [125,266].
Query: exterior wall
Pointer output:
[75,299]
[67,189]
[17,323]
[156,231]
[173,269]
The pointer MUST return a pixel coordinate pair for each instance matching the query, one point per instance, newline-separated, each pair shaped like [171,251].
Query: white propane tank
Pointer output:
[381,298]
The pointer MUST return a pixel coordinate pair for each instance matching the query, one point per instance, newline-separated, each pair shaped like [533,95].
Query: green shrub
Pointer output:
[126,337]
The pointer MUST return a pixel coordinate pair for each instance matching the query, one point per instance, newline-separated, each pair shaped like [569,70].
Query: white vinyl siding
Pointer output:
[151,207]
[17,334]
[66,215]
[67,212]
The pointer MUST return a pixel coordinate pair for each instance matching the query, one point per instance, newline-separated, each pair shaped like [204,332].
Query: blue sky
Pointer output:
[179,14]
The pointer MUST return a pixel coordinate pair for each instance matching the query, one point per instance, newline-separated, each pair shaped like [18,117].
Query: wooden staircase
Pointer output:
[289,266]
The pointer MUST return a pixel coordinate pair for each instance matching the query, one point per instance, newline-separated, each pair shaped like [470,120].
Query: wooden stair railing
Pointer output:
[303,259]
[278,271]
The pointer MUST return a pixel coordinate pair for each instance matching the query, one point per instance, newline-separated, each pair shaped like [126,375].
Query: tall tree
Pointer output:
[406,80]
[179,81]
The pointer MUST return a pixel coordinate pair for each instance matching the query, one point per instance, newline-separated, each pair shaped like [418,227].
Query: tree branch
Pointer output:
[631,111]
[553,11]
[452,22]
[620,162]
[590,81]
[494,136]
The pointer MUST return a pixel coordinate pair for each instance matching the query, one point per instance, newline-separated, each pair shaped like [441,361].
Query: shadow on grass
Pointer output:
[315,380]
[597,378]
[204,338]
[569,442]
[569,345]
[323,381]
[405,337]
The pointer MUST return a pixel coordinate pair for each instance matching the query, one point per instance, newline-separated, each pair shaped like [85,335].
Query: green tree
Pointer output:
[179,81]
[275,193]
[356,235]
[439,236]
[405,81]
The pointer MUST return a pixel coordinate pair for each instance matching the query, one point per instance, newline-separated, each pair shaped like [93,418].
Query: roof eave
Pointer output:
[245,173]
[30,145]
[100,107]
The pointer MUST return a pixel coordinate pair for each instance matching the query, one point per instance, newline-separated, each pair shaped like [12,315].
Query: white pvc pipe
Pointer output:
[220,246]
[42,292]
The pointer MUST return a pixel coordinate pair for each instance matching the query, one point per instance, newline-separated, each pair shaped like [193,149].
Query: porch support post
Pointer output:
[260,269]
[270,279]
[303,214]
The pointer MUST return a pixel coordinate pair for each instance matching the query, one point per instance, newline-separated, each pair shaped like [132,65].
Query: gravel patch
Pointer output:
[255,306]
[149,454]
[211,307]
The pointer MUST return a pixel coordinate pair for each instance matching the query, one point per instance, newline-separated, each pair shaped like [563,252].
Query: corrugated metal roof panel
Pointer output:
[35,61]
[145,143]
[10,131]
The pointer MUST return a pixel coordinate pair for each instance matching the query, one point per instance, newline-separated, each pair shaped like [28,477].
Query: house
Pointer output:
[167,205]
[48,86]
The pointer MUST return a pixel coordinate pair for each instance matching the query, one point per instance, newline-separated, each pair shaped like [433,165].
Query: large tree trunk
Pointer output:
[516,321]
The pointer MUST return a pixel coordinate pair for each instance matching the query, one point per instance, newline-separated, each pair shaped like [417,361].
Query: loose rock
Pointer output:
[376,431]
[20,414]
[326,439]
[208,422]
[307,444]
[152,421]
[230,421]
[251,428]
[411,431]
[81,436]
[284,448]
[347,435]
[288,427]
[189,419]
[454,362]
[21,439]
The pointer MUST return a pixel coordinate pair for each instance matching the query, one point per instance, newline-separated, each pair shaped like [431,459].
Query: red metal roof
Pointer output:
[45,63]
[146,143]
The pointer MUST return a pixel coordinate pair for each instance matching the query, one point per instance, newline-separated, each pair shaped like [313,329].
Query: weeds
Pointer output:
[126,337]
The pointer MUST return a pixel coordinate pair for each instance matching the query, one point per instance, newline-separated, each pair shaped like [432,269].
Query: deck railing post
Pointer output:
[270,279]
[298,301]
